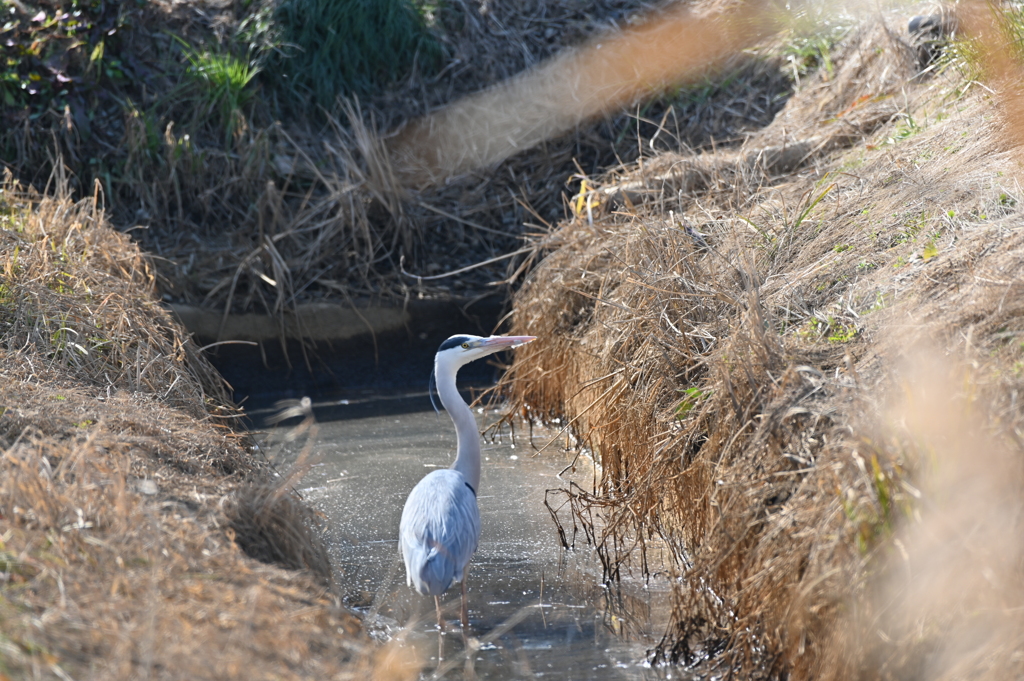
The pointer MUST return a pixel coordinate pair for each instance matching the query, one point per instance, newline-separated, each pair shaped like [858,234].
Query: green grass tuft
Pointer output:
[812,38]
[224,83]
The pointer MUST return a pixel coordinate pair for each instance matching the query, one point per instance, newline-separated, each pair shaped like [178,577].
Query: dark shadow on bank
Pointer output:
[360,376]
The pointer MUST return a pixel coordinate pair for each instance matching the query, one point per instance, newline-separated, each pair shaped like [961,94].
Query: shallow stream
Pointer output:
[536,610]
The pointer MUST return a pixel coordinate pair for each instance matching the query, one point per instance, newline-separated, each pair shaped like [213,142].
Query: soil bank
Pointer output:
[800,373]
[130,506]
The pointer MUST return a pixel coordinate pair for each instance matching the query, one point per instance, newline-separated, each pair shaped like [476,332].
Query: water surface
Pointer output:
[536,610]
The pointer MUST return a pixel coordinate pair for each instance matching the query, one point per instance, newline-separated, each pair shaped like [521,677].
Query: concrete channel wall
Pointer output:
[337,352]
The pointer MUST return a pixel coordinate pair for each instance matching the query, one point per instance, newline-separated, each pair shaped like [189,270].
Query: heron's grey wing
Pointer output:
[439,531]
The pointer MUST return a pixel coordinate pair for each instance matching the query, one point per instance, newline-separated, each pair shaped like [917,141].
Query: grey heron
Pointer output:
[440,525]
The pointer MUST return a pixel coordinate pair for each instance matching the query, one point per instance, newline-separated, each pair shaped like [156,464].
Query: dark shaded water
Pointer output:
[536,610]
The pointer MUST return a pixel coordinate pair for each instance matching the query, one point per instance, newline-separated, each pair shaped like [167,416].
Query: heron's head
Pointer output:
[463,349]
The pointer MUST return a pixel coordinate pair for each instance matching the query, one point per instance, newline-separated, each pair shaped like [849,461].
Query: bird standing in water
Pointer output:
[440,525]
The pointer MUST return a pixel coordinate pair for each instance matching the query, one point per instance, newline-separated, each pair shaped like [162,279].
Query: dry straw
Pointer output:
[122,491]
[82,295]
[724,347]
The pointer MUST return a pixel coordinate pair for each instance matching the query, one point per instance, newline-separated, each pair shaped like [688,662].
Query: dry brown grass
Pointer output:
[739,397]
[121,487]
[82,296]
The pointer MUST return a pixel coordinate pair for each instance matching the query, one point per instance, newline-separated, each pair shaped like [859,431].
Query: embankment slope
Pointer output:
[125,494]
[742,340]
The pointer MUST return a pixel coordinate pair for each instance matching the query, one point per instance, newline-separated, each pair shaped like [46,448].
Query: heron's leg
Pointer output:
[440,619]
[465,609]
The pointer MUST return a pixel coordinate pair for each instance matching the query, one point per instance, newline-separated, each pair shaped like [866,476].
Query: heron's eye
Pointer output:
[465,346]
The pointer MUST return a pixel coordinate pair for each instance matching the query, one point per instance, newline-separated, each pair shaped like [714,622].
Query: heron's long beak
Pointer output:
[499,342]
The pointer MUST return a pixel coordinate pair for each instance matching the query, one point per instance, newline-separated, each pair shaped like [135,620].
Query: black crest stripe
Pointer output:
[453,342]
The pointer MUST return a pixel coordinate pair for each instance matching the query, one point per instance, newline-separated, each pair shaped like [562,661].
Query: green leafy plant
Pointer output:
[54,52]
[843,333]
[907,127]
[806,53]
[692,396]
[811,43]
[829,328]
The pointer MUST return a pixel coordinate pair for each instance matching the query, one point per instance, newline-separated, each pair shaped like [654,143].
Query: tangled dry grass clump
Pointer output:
[731,336]
[57,248]
[126,500]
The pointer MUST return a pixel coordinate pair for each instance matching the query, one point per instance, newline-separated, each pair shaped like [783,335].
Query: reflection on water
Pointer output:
[535,610]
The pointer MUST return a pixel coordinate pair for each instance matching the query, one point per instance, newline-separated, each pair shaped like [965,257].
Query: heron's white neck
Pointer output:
[467,460]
